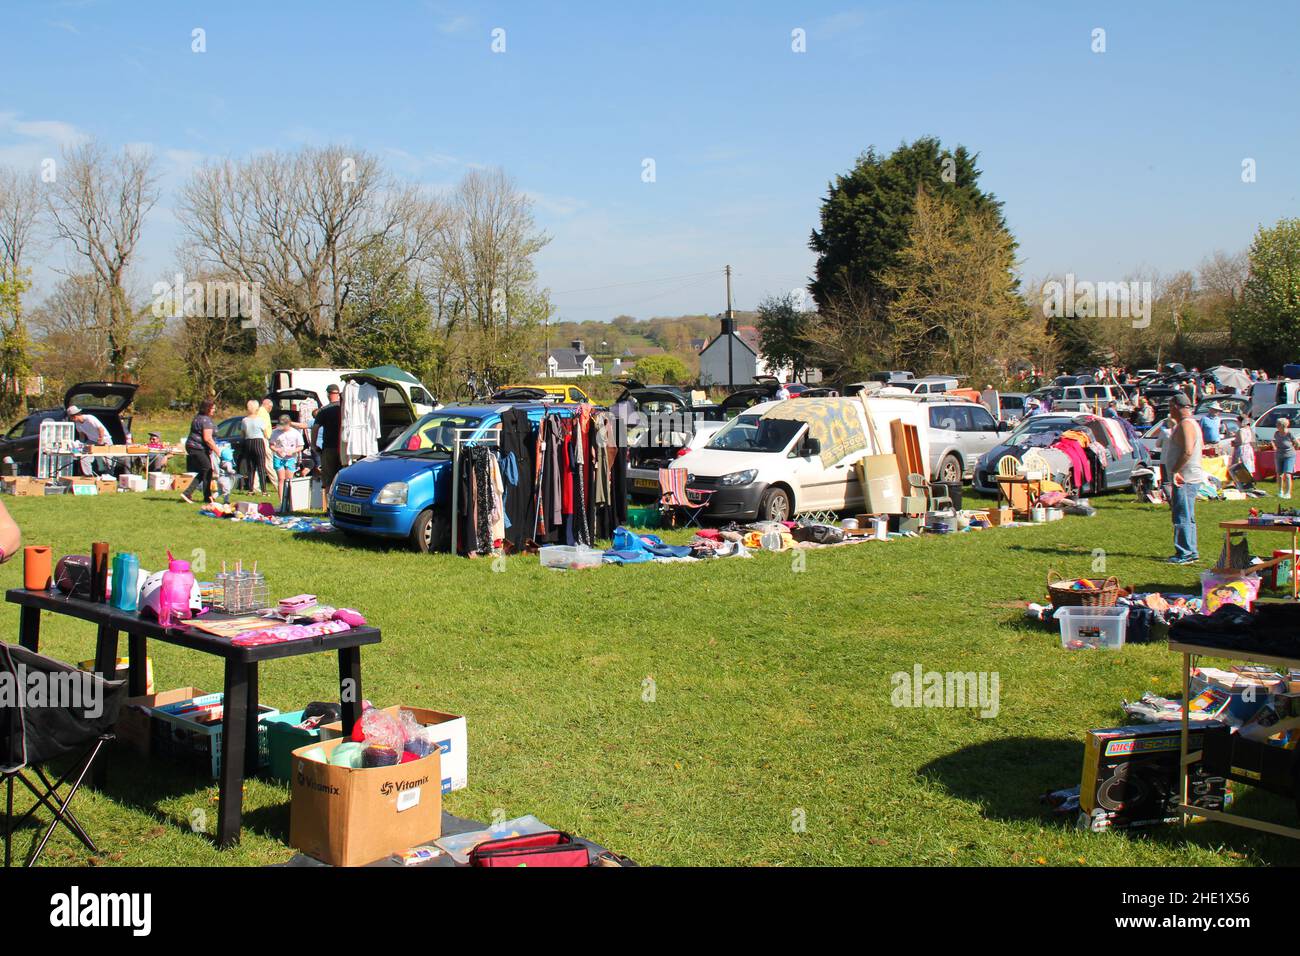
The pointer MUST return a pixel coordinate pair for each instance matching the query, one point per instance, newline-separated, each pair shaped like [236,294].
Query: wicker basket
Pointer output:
[1065,596]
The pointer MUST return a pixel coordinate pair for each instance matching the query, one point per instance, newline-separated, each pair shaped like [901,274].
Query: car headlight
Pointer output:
[393,493]
[739,477]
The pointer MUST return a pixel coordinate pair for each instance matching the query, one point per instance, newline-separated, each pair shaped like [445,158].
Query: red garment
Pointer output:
[566,468]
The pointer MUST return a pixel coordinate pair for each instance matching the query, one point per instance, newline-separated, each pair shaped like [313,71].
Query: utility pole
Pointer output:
[730,328]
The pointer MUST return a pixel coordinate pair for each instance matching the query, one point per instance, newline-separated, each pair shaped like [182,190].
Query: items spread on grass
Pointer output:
[264,513]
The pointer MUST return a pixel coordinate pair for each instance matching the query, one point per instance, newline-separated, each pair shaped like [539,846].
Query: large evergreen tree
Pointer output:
[867,213]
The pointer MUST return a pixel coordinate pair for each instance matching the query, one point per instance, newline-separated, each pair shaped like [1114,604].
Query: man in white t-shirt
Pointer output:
[92,431]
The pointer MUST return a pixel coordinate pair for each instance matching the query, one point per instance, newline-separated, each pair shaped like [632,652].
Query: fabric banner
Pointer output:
[834,422]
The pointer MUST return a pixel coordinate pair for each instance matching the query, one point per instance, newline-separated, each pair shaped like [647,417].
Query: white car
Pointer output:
[770,468]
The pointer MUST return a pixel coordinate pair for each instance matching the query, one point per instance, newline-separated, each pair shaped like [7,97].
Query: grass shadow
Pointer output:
[1006,777]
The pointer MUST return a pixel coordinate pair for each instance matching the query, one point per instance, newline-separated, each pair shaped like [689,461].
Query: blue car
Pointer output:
[405,490]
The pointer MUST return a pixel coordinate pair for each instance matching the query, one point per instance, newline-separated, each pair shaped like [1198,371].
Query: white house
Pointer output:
[573,362]
[734,357]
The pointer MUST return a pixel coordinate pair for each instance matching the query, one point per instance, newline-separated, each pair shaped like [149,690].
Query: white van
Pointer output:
[772,462]
[315,381]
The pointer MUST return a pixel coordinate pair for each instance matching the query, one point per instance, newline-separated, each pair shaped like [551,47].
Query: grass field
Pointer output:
[770,704]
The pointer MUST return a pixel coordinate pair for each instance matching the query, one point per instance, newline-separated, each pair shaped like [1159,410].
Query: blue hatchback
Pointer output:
[405,490]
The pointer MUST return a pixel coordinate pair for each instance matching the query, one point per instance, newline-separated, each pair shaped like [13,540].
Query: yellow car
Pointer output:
[563,393]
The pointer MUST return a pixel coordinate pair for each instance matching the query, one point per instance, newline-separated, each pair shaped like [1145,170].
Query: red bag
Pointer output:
[550,848]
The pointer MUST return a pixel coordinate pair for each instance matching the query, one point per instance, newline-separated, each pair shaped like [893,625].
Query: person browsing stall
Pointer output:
[1185,475]
[326,431]
[92,431]
[1284,444]
[286,446]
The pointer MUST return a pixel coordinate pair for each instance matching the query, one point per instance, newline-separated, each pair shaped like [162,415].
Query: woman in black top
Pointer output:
[200,447]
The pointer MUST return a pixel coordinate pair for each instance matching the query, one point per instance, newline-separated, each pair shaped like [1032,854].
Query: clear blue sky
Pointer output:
[1107,163]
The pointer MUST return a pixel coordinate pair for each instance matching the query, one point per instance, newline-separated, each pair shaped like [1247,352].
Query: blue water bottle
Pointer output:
[126,584]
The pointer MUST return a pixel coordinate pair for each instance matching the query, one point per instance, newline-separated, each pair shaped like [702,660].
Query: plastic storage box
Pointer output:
[566,556]
[283,738]
[1092,627]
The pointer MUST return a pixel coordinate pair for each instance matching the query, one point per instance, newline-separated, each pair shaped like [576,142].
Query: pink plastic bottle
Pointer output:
[174,596]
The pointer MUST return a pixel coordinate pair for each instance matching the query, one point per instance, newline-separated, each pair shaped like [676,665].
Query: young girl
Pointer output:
[1284,443]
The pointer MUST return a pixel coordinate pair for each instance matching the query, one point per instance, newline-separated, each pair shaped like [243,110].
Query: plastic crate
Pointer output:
[178,739]
[283,738]
[1092,627]
[644,516]
[567,556]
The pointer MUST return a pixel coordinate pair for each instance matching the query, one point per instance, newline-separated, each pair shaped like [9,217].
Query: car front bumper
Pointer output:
[731,502]
[378,520]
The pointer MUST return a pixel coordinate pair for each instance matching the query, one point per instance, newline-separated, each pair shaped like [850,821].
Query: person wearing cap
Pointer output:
[286,446]
[157,460]
[92,431]
[1185,476]
[1212,425]
[325,434]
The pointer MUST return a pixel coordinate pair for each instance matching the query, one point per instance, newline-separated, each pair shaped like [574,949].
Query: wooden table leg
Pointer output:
[29,628]
[137,655]
[350,687]
[230,805]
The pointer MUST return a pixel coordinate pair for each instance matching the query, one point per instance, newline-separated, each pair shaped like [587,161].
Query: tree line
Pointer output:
[338,261]
[917,269]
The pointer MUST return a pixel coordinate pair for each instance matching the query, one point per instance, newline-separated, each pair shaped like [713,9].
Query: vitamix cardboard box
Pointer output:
[350,817]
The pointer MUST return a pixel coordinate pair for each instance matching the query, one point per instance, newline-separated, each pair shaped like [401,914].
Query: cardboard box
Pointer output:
[882,488]
[108,450]
[121,671]
[159,481]
[302,494]
[134,720]
[453,742]
[131,482]
[23,486]
[351,817]
[1001,516]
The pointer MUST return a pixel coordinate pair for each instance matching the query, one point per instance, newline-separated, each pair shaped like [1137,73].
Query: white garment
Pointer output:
[360,430]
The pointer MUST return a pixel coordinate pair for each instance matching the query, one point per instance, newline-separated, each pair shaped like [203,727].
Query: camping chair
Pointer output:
[33,736]
[674,496]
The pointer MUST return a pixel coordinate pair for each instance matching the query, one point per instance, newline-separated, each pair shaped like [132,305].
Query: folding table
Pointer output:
[239,713]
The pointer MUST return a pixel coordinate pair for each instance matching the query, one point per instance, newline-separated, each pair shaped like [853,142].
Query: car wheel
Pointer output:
[774,506]
[431,532]
[950,470]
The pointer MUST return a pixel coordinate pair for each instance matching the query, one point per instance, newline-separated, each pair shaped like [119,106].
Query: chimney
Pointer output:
[728,323]
[577,345]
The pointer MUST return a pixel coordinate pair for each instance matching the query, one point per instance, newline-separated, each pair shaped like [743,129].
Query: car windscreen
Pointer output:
[1270,418]
[434,435]
[753,433]
[1037,426]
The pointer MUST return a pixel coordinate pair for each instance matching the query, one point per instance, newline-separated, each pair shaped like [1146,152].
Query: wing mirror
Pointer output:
[811,447]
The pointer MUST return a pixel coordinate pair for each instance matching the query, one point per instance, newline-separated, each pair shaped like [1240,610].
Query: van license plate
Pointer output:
[347,508]
[648,484]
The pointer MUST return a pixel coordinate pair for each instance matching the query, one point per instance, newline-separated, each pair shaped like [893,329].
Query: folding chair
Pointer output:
[58,726]
[675,497]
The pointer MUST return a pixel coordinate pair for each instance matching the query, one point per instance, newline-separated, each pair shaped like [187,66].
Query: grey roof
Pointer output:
[569,359]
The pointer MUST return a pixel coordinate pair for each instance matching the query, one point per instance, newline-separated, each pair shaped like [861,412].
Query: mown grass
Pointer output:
[771,692]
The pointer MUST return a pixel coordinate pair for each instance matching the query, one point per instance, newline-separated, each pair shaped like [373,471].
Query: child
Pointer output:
[1284,444]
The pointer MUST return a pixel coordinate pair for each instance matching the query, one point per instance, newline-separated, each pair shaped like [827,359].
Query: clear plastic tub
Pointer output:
[567,556]
[1092,628]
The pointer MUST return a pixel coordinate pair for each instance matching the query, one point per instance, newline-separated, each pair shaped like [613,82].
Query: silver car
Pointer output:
[961,432]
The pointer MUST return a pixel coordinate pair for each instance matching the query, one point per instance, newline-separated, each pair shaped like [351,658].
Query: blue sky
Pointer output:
[1107,163]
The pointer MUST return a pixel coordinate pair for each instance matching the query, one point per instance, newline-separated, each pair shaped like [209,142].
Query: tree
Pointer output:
[867,213]
[954,305]
[20,216]
[661,369]
[98,204]
[782,328]
[488,280]
[1267,319]
[298,224]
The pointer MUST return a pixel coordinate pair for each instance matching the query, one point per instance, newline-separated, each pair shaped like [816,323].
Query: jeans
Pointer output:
[201,464]
[1182,508]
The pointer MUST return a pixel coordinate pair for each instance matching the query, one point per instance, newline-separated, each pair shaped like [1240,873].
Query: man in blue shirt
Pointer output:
[1211,430]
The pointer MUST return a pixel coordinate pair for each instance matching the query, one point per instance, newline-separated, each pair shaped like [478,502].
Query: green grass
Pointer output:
[771,692]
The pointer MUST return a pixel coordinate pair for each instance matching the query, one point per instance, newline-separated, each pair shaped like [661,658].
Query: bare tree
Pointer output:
[72,324]
[20,217]
[98,204]
[297,224]
[1224,275]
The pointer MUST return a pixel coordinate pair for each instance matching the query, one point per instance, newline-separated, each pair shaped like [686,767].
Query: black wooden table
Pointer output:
[239,707]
